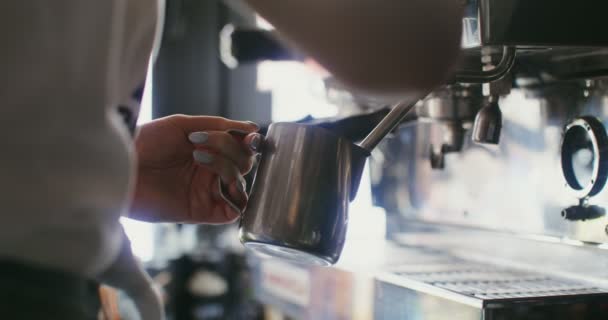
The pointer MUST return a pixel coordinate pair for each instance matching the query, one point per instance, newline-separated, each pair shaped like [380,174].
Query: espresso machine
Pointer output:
[494,188]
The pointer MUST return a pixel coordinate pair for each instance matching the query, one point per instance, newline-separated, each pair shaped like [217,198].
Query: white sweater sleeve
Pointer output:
[66,155]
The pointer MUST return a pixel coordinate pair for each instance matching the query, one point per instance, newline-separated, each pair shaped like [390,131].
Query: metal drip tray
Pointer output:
[491,283]
[497,292]
[519,289]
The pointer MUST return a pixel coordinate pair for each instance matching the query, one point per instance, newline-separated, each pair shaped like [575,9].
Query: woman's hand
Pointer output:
[179,161]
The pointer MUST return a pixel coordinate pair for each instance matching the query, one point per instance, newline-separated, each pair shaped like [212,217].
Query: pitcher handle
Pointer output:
[224,194]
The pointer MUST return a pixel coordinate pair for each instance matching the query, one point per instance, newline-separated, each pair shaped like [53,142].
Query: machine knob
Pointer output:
[582,213]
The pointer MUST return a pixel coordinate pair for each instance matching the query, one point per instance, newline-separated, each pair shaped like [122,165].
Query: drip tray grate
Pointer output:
[488,283]
[518,289]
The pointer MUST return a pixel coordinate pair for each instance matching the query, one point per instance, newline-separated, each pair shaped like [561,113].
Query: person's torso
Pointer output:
[66,165]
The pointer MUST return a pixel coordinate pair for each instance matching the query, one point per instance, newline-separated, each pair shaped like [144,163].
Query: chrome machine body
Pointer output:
[495,195]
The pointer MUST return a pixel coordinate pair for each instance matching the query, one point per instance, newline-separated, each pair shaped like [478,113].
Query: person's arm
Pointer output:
[388,46]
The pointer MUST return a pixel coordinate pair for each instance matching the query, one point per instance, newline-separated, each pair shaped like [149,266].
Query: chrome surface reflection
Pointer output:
[301,193]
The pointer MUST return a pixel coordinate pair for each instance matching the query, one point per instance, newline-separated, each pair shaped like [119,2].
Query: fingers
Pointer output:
[233,209]
[230,176]
[226,145]
[236,199]
[206,123]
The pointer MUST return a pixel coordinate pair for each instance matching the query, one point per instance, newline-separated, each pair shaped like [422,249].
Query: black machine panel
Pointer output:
[543,22]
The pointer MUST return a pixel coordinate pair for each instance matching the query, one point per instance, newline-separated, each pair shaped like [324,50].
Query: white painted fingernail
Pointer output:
[198,137]
[202,157]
